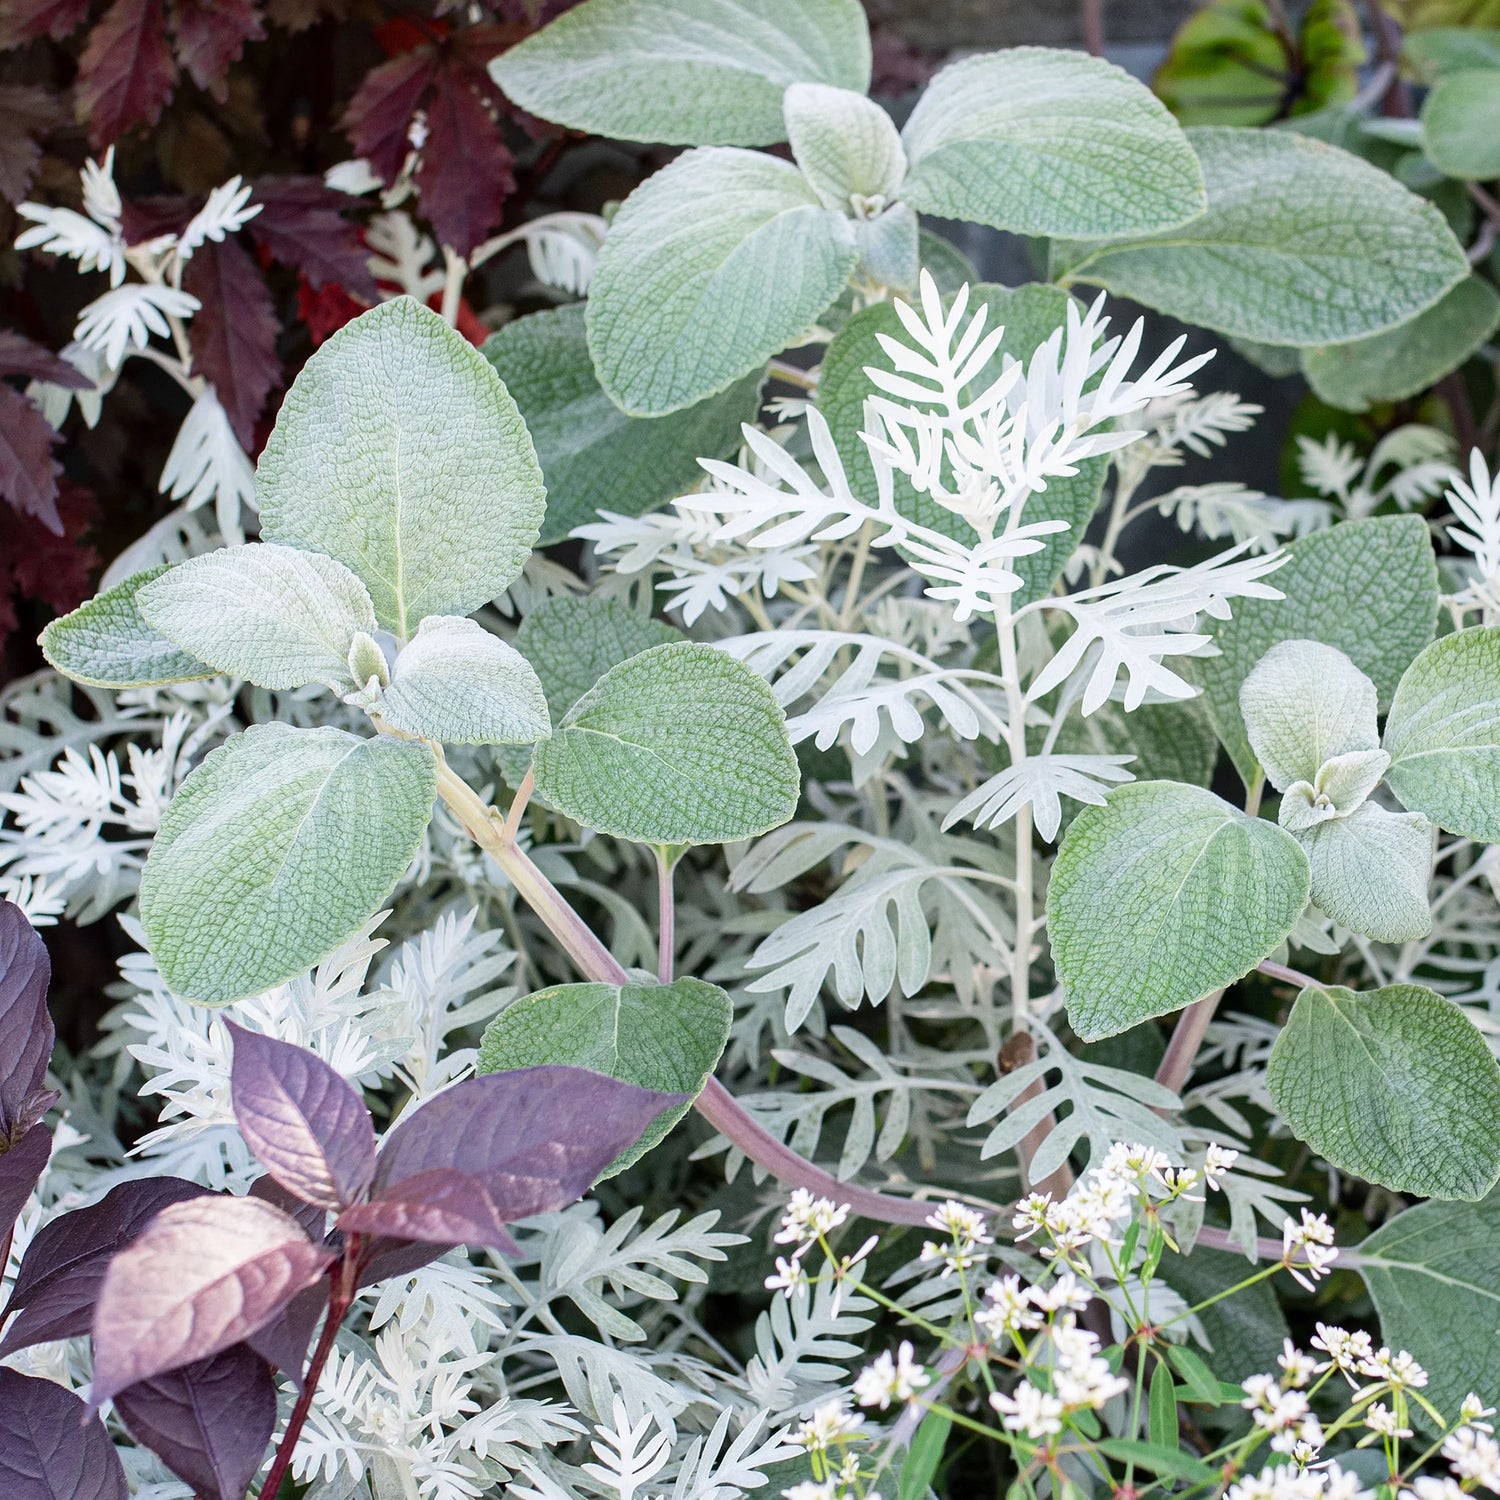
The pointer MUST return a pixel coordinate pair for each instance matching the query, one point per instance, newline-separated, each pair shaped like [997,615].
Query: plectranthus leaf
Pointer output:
[1396,1085]
[681,744]
[846,146]
[1371,870]
[1461,124]
[274,850]
[1163,895]
[399,453]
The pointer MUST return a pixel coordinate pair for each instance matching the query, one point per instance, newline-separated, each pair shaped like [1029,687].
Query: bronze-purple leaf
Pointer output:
[440,1207]
[20,1169]
[26,1034]
[202,1275]
[306,1125]
[50,1447]
[283,1341]
[58,1283]
[208,1422]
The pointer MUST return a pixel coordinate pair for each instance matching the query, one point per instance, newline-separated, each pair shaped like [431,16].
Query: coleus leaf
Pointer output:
[204,1274]
[26,112]
[302,225]
[465,171]
[127,72]
[57,568]
[210,35]
[306,1125]
[28,471]
[21,1168]
[209,1422]
[50,1447]
[55,18]
[58,1283]
[26,1032]
[19,356]
[378,119]
[233,333]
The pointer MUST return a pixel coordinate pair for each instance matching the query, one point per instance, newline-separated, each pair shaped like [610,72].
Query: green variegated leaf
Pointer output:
[1397,1086]
[276,616]
[398,452]
[680,744]
[713,265]
[1371,870]
[107,643]
[1163,895]
[1042,141]
[274,850]
[663,1037]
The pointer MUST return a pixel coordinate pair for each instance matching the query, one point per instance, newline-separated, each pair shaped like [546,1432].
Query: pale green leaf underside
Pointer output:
[1042,141]
[1371,870]
[1406,360]
[1461,124]
[1162,895]
[680,744]
[398,452]
[106,643]
[1302,243]
[713,265]
[1366,587]
[1443,734]
[457,683]
[274,850]
[593,455]
[276,616]
[685,72]
[664,1037]
[1396,1086]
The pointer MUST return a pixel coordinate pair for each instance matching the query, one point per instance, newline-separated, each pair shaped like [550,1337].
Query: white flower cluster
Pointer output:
[1079,1377]
[808,1221]
[967,1237]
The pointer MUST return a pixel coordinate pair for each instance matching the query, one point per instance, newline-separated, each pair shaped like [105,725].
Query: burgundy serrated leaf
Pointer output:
[58,1284]
[210,36]
[440,1207]
[464,175]
[21,1168]
[126,73]
[19,356]
[201,1276]
[301,223]
[28,471]
[234,332]
[57,569]
[50,1447]
[26,112]
[208,1422]
[379,115]
[24,19]
[306,1125]
[26,1034]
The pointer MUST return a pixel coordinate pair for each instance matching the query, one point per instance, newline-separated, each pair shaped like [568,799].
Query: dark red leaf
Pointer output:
[43,565]
[50,1447]
[28,471]
[476,45]
[59,1280]
[25,113]
[283,1341]
[399,35]
[19,356]
[161,213]
[208,1422]
[201,1276]
[21,1167]
[54,18]
[210,35]
[234,332]
[302,224]
[126,73]
[312,1218]
[26,1034]
[383,1258]
[442,1207]
[326,311]
[464,175]
[380,113]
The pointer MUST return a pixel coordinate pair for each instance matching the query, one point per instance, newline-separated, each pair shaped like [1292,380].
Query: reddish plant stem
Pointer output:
[1187,1038]
[1091,25]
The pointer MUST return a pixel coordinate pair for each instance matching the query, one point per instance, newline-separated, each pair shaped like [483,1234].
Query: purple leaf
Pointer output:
[301,224]
[536,1138]
[313,1217]
[28,471]
[50,1448]
[201,1276]
[465,171]
[306,1125]
[19,356]
[20,1169]
[384,1257]
[26,112]
[26,1034]
[127,72]
[233,333]
[441,1207]
[378,119]
[208,1422]
[58,1283]
[284,1340]
[210,35]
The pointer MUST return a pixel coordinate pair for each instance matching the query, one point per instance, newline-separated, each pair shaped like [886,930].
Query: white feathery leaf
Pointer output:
[207,463]
[1040,781]
[127,317]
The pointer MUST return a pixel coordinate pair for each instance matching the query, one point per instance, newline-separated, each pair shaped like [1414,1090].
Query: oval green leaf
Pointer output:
[1461,124]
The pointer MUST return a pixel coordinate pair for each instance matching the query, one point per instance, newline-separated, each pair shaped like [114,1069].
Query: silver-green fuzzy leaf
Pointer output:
[680,744]
[274,850]
[1461,124]
[1162,895]
[1370,871]
[398,452]
[847,146]
[1396,1086]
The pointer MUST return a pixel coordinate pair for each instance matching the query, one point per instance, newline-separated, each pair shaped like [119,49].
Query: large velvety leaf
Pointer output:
[680,744]
[126,73]
[1434,1273]
[1396,1086]
[666,1037]
[1042,141]
[274,850]
[1461,123]
[719,261]
[1371,871]
[593,455]
[209,1422]
[1302,243]
[847,146]
[398,452]
[28,471]
[203,1275]
[1443,734]
[686,72]
[1406,360]
[107,642]
[307,1126]
[58,1283]
[26,1033]
[1367,587]
[50,1447]
[1163,895]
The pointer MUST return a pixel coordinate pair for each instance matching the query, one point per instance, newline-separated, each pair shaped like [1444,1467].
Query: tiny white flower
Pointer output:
[1065,1294]
[1433,1487]
[1473,1412]
[1380,1419]
[890,1380]
[1217,1161]
[1008,1309]
[1475,1457]
[1029,1410]
[1313,1239]
[828,1423]
[1299,1368]
[1346,1351]
[806,1218]
[790,1277]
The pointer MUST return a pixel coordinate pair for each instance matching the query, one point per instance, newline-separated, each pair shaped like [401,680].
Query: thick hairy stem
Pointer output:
[455,269]
[1091,25]
[666,917]
[1187,1037]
